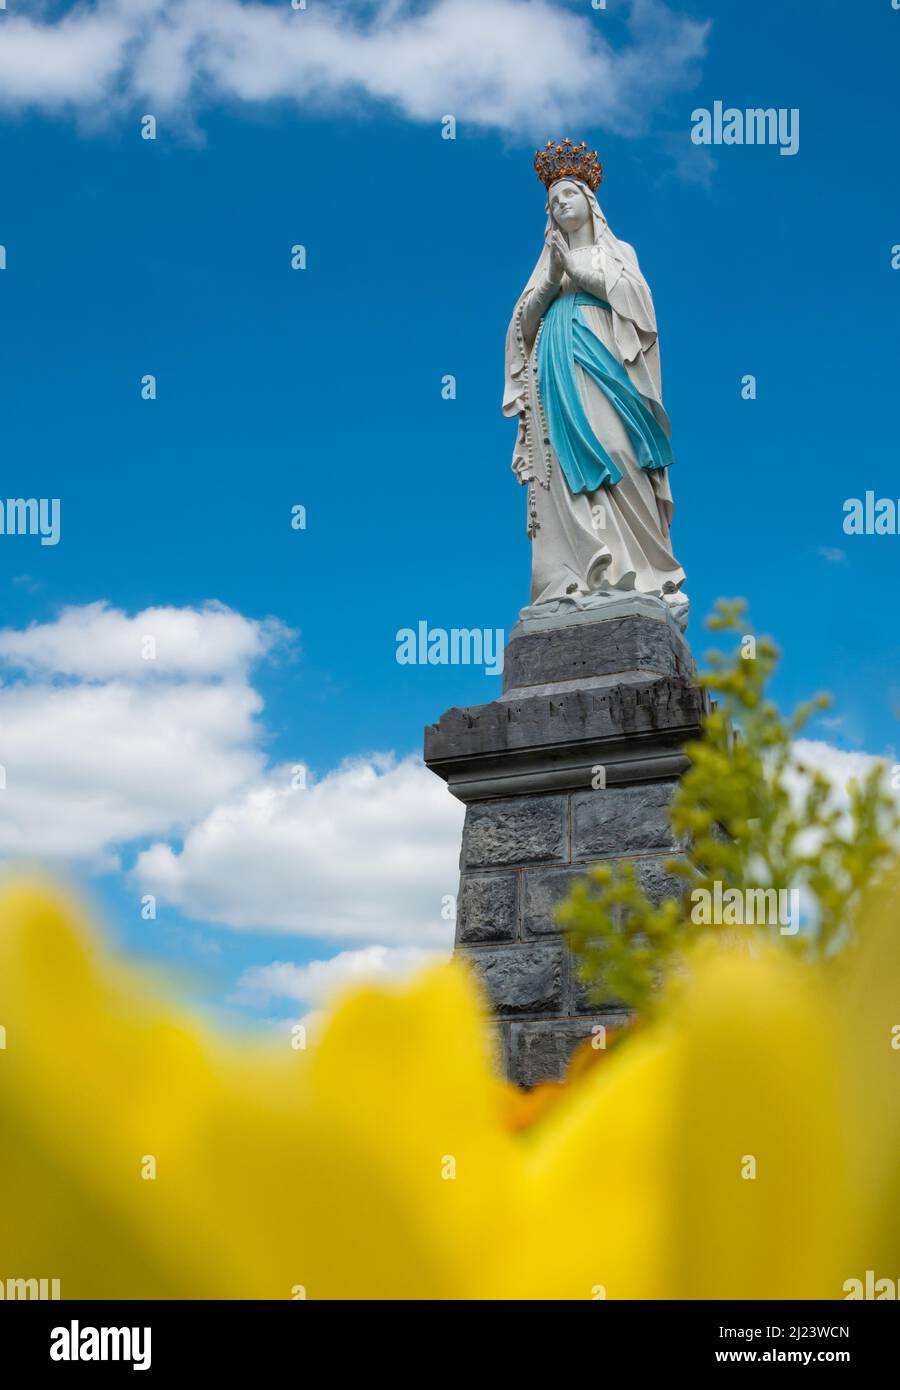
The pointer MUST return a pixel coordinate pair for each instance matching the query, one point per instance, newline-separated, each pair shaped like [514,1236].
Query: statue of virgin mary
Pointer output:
[583,378]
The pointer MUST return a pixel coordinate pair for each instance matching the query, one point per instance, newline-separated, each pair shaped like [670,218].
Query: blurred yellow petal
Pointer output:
[869,1000]
[97,1083]
[714,1154]
[661,1147]
[759,1093]
[375,1166]
[408,1153]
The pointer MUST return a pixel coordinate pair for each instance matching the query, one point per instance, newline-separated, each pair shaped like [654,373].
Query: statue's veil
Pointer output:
[634,319]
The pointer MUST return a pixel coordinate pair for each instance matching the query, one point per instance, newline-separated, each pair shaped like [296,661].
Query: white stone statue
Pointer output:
[583,377]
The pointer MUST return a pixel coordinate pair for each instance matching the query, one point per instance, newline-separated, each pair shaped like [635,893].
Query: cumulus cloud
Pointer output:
[368,853]
[524,66]
[839,765]
[104,750]
[96,642]
[100,745]
[317,986]
[117,729]
[319,982]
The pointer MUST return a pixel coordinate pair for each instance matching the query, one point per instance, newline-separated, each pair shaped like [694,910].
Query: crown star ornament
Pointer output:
[568,161]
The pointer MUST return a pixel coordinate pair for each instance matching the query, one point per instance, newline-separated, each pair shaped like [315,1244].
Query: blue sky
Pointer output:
[323,387]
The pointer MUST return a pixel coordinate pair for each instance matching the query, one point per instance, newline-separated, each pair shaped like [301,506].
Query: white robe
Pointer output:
[617,539]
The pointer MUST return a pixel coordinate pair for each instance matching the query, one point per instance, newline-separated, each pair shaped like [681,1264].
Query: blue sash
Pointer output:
[566,340]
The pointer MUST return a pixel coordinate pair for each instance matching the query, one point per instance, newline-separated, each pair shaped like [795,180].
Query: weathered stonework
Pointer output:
[487,908]
[656,882]
[543,891]
[524,980]
[534,1054]
[574,765]
[622,821]
[526,830]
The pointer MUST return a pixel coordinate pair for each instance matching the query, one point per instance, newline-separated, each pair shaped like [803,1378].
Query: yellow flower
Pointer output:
[275,1171]
[726,1151]
[708,1150]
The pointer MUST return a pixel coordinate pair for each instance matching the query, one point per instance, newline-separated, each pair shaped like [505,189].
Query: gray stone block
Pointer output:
[612,689]
[521,830]
[578,652]
[541,1051]
[528,736]
[585,1001]
[656,882]
[622,819]
[522,979]
[542,892]
[487,908]
[599,994]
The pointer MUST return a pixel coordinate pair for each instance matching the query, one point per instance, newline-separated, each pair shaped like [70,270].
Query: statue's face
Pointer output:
[569,206]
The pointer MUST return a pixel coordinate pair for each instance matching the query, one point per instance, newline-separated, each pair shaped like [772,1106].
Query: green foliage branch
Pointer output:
[749,813]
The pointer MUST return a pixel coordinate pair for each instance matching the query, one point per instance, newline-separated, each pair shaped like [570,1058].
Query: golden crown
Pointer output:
[568,161]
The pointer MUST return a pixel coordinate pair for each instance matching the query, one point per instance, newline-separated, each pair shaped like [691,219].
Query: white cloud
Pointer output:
[318,985]
[100,747]
[96,642]
[837,764]
[75,59]
[366,854]
[840,767]
[319,982]
[530,67]
[90,767]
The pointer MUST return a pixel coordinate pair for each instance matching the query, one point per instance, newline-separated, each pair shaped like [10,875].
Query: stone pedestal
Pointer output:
[573,765]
